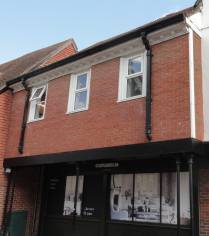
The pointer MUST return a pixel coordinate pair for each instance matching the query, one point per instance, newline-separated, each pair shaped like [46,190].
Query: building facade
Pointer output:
[111,140]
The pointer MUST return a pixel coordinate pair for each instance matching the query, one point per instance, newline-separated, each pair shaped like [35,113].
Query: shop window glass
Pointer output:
[147,198]
[145,206]
[184,199]
[121,197]
[169,198]
[70,195]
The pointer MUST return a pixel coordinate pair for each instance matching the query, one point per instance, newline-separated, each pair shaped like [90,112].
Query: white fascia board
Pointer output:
[192,83]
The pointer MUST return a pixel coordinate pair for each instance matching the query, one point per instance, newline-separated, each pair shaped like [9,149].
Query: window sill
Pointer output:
[31,121]
[131,98]
[76,111]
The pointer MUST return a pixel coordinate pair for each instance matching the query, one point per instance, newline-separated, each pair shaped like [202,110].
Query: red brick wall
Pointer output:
[204,201]
[170,89]
[65,52]
[108,123]
[5,105]
[26,188]
[198,88]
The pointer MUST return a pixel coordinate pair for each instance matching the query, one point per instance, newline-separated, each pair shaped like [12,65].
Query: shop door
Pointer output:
[91,221]
[58,218]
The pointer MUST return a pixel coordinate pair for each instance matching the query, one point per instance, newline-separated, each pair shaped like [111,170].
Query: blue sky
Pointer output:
[27,25]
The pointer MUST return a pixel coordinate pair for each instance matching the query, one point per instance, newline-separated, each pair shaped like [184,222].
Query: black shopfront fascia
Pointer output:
[140,158]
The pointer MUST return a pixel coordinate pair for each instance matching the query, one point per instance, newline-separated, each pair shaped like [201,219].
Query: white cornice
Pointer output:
[131,47]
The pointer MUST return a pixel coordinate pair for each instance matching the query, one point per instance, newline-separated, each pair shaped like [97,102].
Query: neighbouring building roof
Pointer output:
[37,59]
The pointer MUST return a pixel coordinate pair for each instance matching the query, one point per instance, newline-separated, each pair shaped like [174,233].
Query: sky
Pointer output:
[28,25]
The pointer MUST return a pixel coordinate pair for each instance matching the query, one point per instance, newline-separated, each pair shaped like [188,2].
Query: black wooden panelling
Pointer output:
[140,230]
[92,200]
[57,227]
[87,228]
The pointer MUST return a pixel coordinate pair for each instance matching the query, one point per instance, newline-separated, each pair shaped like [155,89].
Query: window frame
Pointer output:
[30,119]
[73,91]
[123,77]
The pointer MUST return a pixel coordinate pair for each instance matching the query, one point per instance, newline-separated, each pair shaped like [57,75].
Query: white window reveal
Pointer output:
[132,78]
[37,103]
[79,92]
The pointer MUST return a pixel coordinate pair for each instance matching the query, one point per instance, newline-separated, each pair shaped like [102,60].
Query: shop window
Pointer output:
[121,196]
[70,195]
[148,199]
[184,199]
[169,198]
[37,103]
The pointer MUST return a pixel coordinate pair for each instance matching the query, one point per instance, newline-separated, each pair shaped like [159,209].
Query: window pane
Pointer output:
[39,110]
[169,198]
[147,198]
[121,196]
[70,195]
[40,107]
[185,199]
[134,87]
[80,100]
[81,81]
[134,65]
[37,93]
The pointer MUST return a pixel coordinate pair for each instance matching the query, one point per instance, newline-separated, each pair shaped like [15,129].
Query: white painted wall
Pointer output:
[205,65]
[200,21]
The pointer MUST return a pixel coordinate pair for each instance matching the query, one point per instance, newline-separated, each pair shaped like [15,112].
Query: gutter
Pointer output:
[5,88]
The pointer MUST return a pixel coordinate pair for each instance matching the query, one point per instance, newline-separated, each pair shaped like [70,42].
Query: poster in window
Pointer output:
[121,196]
[70,195]
[147,198]
[184,199]
[169,198]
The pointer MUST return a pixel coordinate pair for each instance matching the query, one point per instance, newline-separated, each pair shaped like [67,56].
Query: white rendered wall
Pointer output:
[205,65]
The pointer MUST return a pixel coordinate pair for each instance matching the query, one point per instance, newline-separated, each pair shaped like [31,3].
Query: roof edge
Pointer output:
[149,28]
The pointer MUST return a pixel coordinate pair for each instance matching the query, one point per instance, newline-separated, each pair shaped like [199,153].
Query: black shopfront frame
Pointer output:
[104,226]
